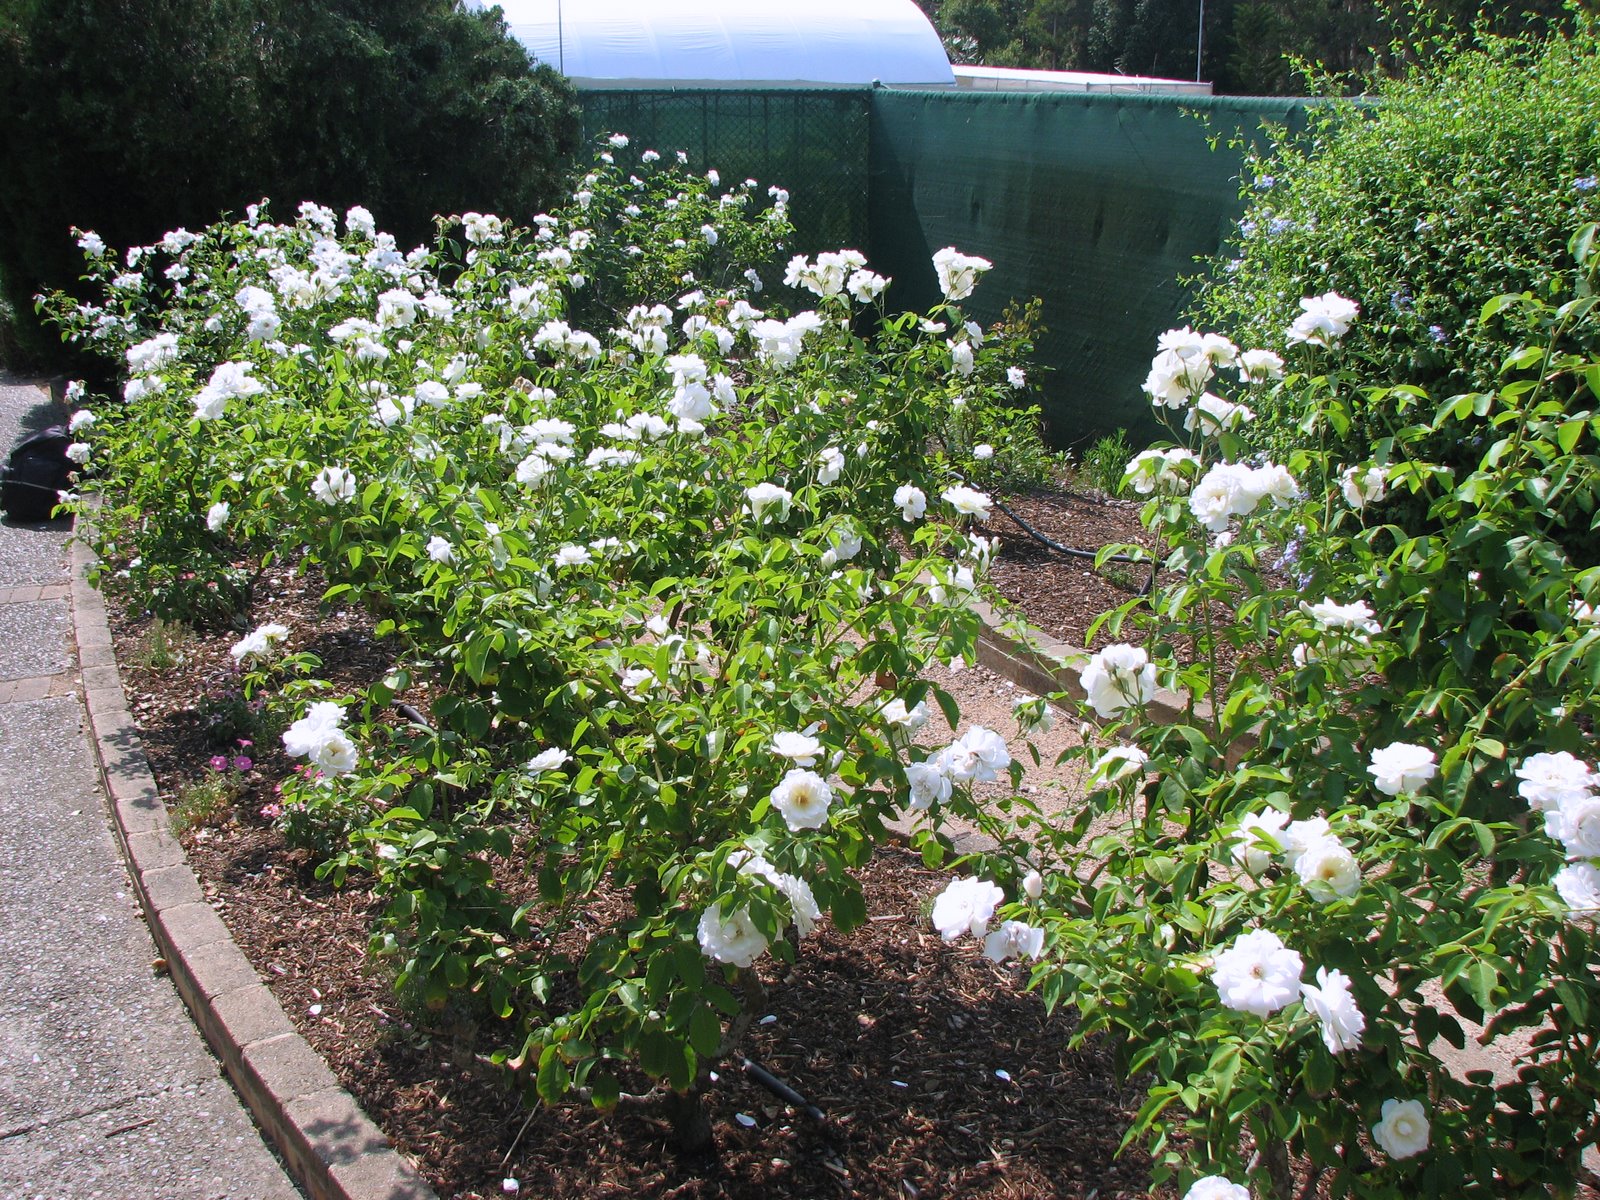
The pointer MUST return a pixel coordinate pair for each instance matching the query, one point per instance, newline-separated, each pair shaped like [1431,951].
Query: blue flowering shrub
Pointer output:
[1368,841]
[665,583]
[1456,184]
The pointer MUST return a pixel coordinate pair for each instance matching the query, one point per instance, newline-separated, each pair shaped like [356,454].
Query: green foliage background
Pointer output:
[1250,46]
[1464,182]
[132,117]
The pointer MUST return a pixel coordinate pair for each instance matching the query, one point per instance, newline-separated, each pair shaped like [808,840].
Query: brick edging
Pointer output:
[332,1148]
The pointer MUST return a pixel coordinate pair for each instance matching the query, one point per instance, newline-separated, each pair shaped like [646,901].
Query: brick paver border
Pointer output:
[332,1149]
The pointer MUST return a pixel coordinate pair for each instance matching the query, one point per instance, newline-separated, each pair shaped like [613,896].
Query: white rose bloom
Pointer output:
[159,351]
[1219,495]
[912,501]
[78,452]
[1174,380]
[1033,715]
[731,938]
[1323,320]
[965,906]
[80,420]
[1356,617]
[552,759]
[767,497]
[1300,836]
[1328,869]
[1167,471]
[335,754]
[259,641]
[983,451]
[910,719]
[978,756]
[802,797]
[1272,482]
[1216,1187]
[1117,677]
[1576,824]
[569,555]
[1257,974]
[333,485]
[1259,366]
[958,273]
[1117,763]
[961,361]
[967,501]
[217,516]
[1403,1130]
[802,901]
[830,463]
[1014,939]
[799,748]
[1250,849]
[929,783]
[1033,885]
[433,393]
[1212,414]
[440,550]
[1578,885]
[1016,377]
[1550,780]
[1330,1001]
[229,381]
[1401,769]
[1362,487]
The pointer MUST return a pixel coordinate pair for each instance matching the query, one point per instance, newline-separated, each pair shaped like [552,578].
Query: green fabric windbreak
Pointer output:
[811,142]
[1097,204]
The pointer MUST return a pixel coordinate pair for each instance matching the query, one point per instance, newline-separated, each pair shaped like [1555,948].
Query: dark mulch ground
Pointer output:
[1058,593]
[938,1074]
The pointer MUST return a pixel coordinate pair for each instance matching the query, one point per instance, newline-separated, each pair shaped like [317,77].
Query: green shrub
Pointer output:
[132,118]
[1462,183]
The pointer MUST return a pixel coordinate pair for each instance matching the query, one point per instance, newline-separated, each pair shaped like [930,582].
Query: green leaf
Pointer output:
[705,1031]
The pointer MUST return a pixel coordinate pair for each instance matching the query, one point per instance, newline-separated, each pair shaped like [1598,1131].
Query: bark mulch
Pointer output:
[937,1073]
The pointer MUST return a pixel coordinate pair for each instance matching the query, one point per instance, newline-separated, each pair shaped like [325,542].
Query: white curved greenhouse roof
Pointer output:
[721,43]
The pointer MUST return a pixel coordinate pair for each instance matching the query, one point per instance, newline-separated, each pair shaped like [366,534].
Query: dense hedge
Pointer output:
[1464,181]
[132,117]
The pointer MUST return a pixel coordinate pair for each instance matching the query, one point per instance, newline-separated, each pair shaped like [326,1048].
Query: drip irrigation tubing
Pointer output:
[1073,551]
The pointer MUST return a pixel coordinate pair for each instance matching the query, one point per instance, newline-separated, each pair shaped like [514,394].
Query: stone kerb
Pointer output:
[332,1148]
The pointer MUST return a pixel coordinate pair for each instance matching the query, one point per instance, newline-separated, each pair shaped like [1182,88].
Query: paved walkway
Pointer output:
[106,1089]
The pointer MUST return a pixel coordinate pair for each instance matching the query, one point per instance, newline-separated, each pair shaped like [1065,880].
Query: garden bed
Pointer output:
[939,1075]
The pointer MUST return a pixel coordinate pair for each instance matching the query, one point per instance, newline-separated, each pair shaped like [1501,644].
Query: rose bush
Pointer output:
[665,585]
[1295,903]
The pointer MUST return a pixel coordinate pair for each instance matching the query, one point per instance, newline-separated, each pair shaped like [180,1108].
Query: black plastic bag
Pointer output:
[38,471]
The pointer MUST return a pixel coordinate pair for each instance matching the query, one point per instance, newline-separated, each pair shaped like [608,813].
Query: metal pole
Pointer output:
[1199,40]
[561,40]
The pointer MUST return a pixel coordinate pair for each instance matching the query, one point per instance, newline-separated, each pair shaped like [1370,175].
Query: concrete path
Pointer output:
[106,1089]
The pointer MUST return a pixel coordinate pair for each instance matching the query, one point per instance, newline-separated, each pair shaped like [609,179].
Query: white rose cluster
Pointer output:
[1118,677]
[1167,472]
[1231,490]
[1566,790]
[731,936]
[317,736]
[978,756]
[967,906]
[1258,974]
[958,273]
[1324,864]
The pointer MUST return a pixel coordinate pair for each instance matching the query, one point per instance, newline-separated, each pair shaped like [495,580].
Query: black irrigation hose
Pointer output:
[412,715]
[1073,551]
[782,1090]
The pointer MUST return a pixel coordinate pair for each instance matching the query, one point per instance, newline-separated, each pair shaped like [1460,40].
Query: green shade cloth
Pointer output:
[1098,204]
